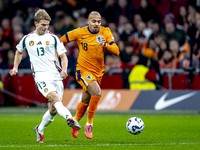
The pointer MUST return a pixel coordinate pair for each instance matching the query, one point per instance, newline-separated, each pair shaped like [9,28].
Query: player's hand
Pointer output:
[13,72]
[63,74]
[103,41]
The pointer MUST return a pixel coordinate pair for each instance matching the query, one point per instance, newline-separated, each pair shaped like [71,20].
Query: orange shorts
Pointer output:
[84,78]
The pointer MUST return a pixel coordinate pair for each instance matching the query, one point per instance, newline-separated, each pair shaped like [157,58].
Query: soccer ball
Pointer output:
[135,125]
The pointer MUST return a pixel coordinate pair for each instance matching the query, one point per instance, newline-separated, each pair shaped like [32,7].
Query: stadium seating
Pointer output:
[23,92]
[112,82]
[165,82]
[176,6]
[1,93]
[164,7]
[153,3]
[136,4]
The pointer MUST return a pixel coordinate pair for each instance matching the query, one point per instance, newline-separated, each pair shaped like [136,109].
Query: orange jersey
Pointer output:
[91,52]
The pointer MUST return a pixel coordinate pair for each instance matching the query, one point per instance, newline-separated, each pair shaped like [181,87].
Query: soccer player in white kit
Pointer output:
[43,47]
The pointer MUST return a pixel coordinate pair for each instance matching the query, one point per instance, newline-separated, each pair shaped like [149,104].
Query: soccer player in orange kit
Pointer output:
[92,40]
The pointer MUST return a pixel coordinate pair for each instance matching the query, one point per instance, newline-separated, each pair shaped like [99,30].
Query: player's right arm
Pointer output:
[18,55]
[70,36]
[17,60]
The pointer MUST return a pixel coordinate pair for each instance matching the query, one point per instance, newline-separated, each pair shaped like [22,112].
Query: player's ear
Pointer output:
[35,22]
[88,21]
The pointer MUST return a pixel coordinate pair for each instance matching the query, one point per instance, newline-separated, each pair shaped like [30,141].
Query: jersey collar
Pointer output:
[92,32]
[43,34]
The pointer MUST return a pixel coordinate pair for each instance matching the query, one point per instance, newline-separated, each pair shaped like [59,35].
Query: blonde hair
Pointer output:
[41,14]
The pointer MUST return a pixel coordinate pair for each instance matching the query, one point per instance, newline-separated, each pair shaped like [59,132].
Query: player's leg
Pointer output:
[81,109]
[62,110]
[82,106]
[90,84]
[84,78]
[95,91]
[45,87]
[47,118]
[53,91]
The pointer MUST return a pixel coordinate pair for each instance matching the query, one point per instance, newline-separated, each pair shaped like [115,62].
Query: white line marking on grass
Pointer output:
[150,144]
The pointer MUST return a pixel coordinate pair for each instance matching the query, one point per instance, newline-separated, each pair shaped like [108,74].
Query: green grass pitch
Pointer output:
[162,131]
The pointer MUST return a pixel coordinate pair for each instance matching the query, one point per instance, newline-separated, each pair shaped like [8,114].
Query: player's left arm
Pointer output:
[64,63]
[61,50]
[109,43]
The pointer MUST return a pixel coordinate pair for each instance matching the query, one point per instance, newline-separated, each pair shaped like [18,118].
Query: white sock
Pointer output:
[62,110]
[46,120]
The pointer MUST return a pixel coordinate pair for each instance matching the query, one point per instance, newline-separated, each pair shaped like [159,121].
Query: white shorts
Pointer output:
[45,87]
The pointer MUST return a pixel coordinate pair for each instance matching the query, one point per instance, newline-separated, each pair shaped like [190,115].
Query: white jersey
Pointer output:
[42,50]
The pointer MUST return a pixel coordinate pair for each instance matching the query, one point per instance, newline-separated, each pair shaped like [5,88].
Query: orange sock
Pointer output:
[81,109]
[92,108]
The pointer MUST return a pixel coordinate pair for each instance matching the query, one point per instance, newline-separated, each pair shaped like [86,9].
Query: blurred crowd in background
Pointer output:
[166,31]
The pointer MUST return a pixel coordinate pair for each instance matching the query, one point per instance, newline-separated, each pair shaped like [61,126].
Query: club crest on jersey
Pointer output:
[46,90]
[98,39]
[47,42]
[31,43]
[89,77]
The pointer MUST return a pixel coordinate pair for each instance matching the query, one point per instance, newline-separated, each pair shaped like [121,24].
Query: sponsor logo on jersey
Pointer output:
[98,39]
[113,38]
[46,90]
[89,77]
[39,43]
[47,42]
[31,43]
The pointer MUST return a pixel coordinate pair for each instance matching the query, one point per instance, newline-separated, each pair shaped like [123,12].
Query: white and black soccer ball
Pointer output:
[135,125]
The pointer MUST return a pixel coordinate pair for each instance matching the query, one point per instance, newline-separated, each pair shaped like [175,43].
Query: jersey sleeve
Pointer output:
[60,47]
[110,38]
[21,45]
[70,36]
[111,45]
